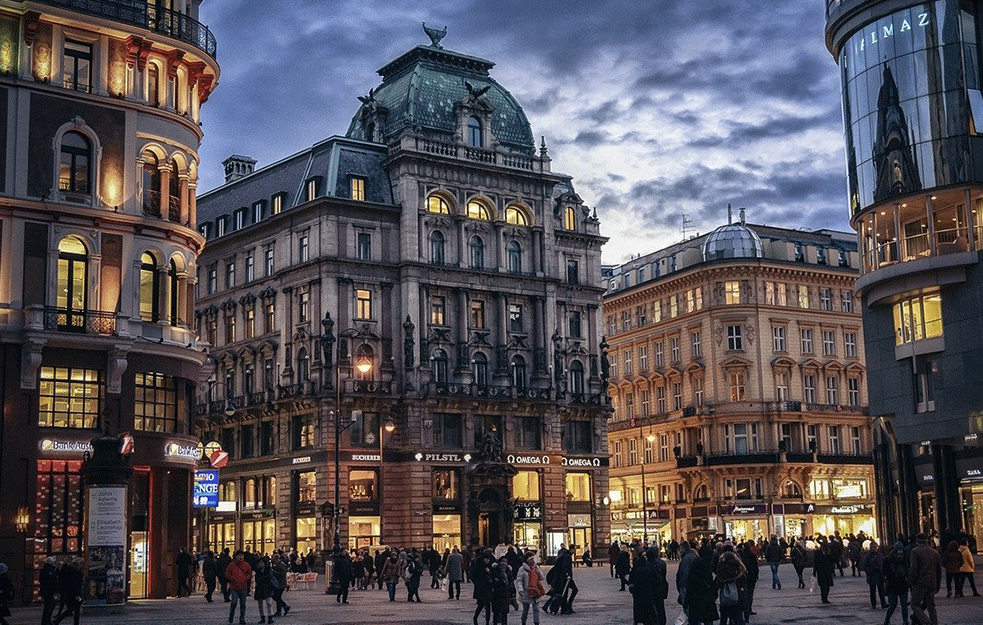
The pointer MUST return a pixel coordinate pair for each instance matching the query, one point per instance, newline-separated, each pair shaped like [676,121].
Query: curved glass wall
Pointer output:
[910,96]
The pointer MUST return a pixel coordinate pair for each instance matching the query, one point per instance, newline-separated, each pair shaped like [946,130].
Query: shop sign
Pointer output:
[844,509]
[459,458]
[581,462]
[446,507]
[300,460]
[363,509]
[579,521]
[206,489]
[226,506]
[54,445]
[519,459]
[744,509]
[970,468]
[177,451]
[365,458]
[529,511]
[795,508]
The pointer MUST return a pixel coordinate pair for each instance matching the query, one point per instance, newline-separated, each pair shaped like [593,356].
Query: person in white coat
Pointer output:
[530,587]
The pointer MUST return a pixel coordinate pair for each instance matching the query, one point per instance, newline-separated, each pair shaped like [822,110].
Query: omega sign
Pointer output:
[581,462]
[513,459]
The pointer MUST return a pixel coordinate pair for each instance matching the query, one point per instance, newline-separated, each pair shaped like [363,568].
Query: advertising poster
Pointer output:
[106,538]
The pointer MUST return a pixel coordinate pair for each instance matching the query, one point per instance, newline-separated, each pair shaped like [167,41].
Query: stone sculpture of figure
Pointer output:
[605,363]
[557,358]
[491,448]
[474,506]
[508,507]
[408,343]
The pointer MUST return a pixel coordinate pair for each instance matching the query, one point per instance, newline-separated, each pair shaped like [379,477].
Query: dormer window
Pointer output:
[258,211]
[311,189]
[358,188]
[276,204]
[474,132]
[570,218]
[239,219]
[220,225]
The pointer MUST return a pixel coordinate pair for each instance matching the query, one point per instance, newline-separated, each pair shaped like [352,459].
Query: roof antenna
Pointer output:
[742,216]
[686,224]
[730,214]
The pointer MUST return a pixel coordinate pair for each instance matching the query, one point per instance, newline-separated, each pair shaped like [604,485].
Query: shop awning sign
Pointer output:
[206,489]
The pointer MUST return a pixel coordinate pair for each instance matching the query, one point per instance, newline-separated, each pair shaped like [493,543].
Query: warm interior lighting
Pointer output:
[23,519]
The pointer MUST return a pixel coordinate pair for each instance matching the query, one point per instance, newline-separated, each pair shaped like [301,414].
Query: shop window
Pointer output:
[77,66]
[528,431]
[446,484]
[303,431]
[578,436]
[306,487]
[306,533]
[70,397]
[149,288]
[578,486]
[437,204]
[437,247]
[228,491]
[363,485]
[365,429]
[447,431]
[438,366]
[249,493]
[155,407]
[525,486]
[918,318]
[58,508]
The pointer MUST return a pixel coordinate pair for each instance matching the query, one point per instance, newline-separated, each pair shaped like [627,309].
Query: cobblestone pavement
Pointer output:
[599,602]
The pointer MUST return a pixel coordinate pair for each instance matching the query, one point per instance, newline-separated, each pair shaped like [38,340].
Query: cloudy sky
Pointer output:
[658,108]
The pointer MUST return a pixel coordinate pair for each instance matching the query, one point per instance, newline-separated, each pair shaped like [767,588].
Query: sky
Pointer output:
[657,108]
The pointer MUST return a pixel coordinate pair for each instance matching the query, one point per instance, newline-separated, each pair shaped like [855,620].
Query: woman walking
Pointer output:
[480,574]
[966,568]
[529,584]
[872,565]
[951,561]
[390,574]
[623,566]
[263,591]
[896,583]
[700,601]
[823,566]
[799,560]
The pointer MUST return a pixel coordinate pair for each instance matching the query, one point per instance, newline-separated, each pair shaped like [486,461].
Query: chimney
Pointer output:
[742,216]
[730,213]
[238,167]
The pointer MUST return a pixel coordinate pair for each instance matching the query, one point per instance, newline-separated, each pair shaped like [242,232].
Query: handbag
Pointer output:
[728,594]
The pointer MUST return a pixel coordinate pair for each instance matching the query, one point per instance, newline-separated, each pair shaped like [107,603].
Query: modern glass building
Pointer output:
[914,154]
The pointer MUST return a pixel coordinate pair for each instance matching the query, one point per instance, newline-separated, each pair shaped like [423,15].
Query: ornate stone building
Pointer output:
[426,273]
[98,247]
[737,381]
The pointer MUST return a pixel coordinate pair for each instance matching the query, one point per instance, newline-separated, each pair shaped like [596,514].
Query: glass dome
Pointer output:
[732,241]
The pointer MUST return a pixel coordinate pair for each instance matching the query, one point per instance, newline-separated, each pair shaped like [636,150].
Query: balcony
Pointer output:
[163,21]
[81,321]
[477,155]
[366,387]
[770,457]
[488,391]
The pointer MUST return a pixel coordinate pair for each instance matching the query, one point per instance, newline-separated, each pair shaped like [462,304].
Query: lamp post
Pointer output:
[384,426]
[363,363]
[229,409]
[645,510]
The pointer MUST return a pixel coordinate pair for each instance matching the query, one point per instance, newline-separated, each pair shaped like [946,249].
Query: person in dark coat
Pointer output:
[183,563]
[623,567]
[49,588]
[279,570]
[836,551]
[700,601]
[343,569]
[414,568]
[6,594]
[896,582]
[613,553]
[480,574]
[660,585]
[70,587]
[224,560]
[564,577]
[774,556]
[750,560]
[263,591]
[799,560]
[501,596]
[823,568]
[872,564]
[730,569]
[380,562]
[209,569]
[454,570]
[642,590]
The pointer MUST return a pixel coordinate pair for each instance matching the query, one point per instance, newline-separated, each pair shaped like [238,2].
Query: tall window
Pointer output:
[77,66]
[698,391]
[155,407]
[438,366]
[778,338]
[474,132]
[853,391]
[734,339]
[660,398]
[149,288]
[518,372]
[825,298]
[230,274]
[570,218]
[577,437]
[476,250]
[514,257]
[437,204]
[477,314]
[437,311]
[358,188]
[153,85]
[846,301]
[303,365]
[304,247]
[363,304]
[805,339]
[437,247]
[73,269]
[447,431]
[674,349]
[268,260]
[677,395]
[732,292]
[575,325]
[515,318]
[151,185]
[573,272]
[250,325]
[829,343]
[809,388]
[173,314]
[69,397]
[850,344]
[628,361]
[803,296]
[479,369]
[304,305]
[855,444]
[269,312]
[364,245]
[576,375]
[834,440]
[781,386]
[832,390]
[250,268]
[74,172]
[276,204]
[736,385]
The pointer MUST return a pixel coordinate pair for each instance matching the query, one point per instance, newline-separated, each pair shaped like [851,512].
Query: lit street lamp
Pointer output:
[645,510]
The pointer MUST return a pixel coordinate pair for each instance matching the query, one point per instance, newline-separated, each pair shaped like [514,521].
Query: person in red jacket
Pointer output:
[238,574]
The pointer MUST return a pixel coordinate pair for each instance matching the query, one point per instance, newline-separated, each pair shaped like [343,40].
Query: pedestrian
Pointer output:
[613,553]
[454,572]
[774,556]
[263,591]
[530,587]
[872,565]
[700,599]
[209,570]
[433,565]
[623,567]
[823,568]
[48,582]
[750,560]
[369,564]
[414,569]
[896,583]
[686,558]
[343,572]
[731,582]
[501,594]
[925,575]
[183,562]
[70,587]
[480,574]
[390,574]
[660,585]
[279,570]
[854,548]
[6,594]
[642,587]
[952,560]
[564,568]
[238,575]
[966,569]
[799,560]
[380,563]
[223,561]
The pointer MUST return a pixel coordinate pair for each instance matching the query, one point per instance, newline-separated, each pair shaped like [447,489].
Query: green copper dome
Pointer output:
[420,88]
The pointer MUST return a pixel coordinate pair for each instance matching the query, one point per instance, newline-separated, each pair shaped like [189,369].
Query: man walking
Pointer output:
[564,566]
[660,585]
[925,573]
[183,563]
[687,555]
[209,569]
[49,588]
[454,570]
[774,556]
[224,560]
[70,585]
[238,574]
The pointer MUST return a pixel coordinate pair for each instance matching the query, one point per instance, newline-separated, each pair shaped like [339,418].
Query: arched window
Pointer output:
[479,369]
[476,251]
[303,366]
[702,493]
[75,172]
[515,215]
[249,494]
[73,275]
[174,193]
[791,490]
[576,377]
[474,133]
[437,247]
[151,185]
[229,491]
[153,85]
[515,257]
[149,288]
[437,204]
[172,294]
[477,210]
[570,218]
[438,366]
[519,372]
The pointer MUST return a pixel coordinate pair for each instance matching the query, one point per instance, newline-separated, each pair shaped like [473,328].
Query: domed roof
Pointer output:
[732,241]
[420,88]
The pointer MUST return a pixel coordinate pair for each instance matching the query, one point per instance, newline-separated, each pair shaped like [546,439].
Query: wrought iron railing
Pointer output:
[174,208]
[151,203]
[485,391]
[167,22]
[81,321]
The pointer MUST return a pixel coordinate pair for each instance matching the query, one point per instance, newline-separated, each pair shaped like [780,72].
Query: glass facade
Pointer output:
[910,95]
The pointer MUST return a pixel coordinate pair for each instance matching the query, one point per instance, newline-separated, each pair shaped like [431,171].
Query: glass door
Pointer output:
[139,551]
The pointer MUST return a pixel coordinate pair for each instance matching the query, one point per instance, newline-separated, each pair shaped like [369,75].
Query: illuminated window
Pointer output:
[363,304]
[307,486]
[515,215]
[477,314]
[437,204]
[269,312]
[250,325]
[578,486]
[918,318]
[311,189]
[525,485]
[69,397]
[736,385]
[276,204]
[570,218]
[803,296]
[446,484]
[437,310]
[149,287]
[477,210]
[303,431]
[73,269]
[358,188]
[155,406]
[77,66]
[74,171]
[363,485]
[732,292]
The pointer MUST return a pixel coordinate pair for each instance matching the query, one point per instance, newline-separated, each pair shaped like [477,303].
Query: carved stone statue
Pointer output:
[408,343]
[491,448]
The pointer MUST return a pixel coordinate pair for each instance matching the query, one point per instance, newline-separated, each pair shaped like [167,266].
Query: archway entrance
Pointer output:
[490,518]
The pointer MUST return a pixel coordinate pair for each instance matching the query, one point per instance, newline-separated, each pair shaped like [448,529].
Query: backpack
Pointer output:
[728,594]
[553,576]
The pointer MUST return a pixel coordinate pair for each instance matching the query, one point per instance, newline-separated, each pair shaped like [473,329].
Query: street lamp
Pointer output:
[388,426]
[23,520]
[229,409]
[645,510]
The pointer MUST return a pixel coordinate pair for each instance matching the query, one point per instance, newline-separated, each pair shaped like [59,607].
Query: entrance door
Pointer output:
[139,550]
[579,539]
